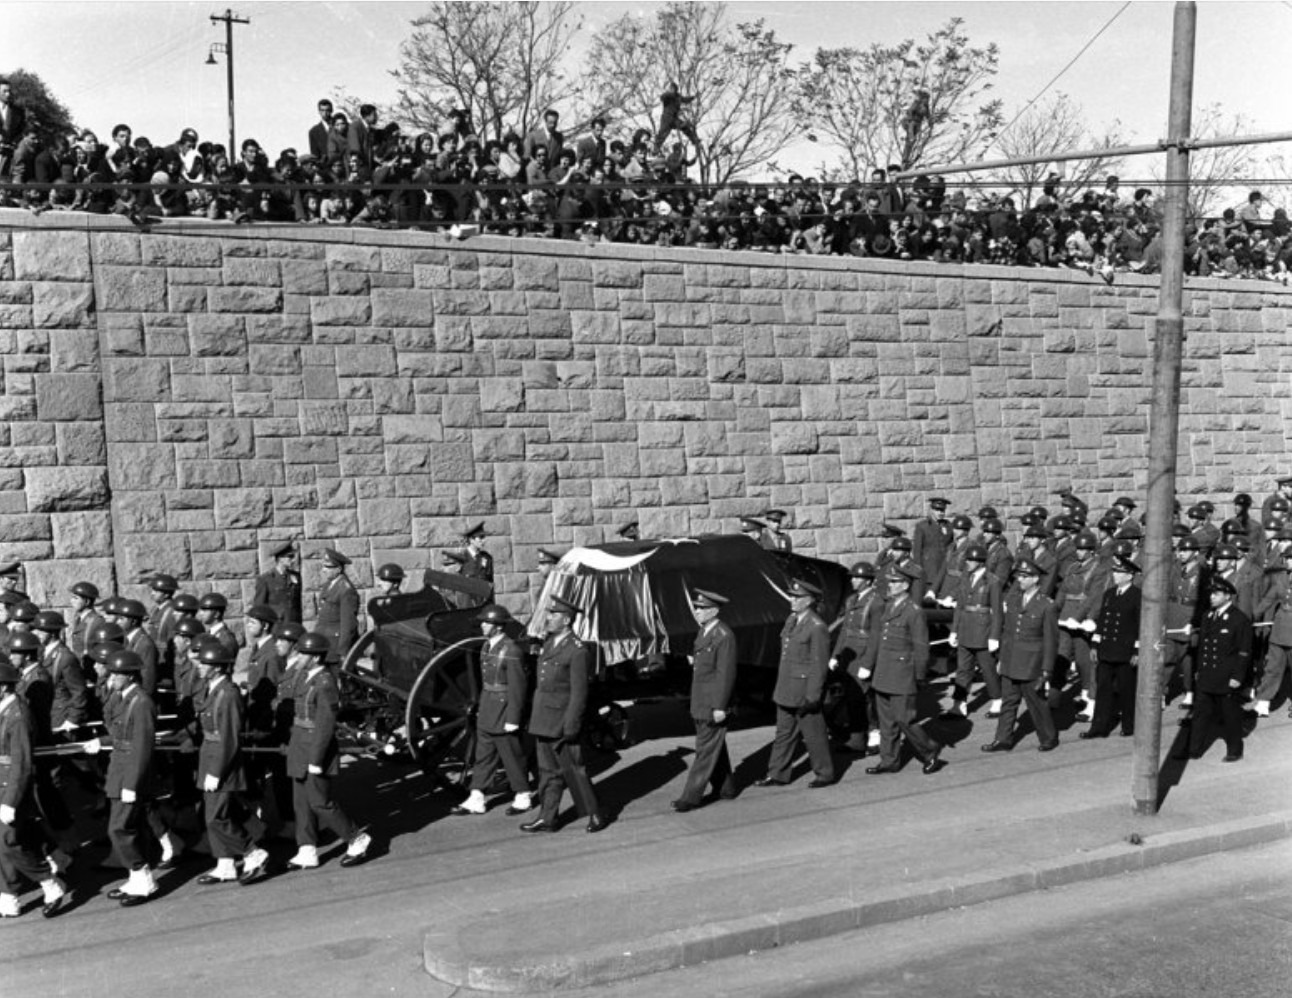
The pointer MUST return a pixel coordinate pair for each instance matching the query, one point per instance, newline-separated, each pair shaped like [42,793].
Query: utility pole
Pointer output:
[1164,419]
[229,21]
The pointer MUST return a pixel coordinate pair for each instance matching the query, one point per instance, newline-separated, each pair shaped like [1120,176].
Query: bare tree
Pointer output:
[1218,177]
[909,103]
[501,62]
[1050,128]
[738,77]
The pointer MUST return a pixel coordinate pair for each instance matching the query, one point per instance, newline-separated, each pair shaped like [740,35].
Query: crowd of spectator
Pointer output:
[637,189]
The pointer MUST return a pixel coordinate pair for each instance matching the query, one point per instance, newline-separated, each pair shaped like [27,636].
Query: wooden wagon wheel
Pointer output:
[441,715]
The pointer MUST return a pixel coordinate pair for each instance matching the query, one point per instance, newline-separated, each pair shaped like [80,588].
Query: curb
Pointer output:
[444,958]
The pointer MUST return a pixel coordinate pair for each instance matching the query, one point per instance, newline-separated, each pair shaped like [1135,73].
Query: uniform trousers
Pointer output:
[126,831]
[1177,656]
[1115,698]
[21,855]
[790,724]
[229,823]
[313,805]
[966,659]
[712,763]
[560,764]
[1024,689]
[1210,709]
[490,748]
[857,701]
[1277,660]
[897,716]
[1075,651]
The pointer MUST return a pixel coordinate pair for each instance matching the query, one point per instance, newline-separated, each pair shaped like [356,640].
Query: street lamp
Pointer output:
[226,47]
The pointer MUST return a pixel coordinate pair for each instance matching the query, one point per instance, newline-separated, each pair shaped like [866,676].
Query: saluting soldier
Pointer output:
[775,536]
[313,758]
[479,563]
[503,689]
[556,722]
[899,556]
[897,660]
[338,606]
[1029,644]
[280,587]
[84,616]
[849,653]
[713,688]
[1224,657]
[21,855]
[931,538]
[800,685]
[975,630]
[1116,638]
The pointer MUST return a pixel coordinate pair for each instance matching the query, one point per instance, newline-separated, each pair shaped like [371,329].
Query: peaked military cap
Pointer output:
[1025,566]
[1219,584]
[1123,564]
[548,557]
[629,531]
[283,550]
[335,558]
[937,502]
[471,533]
[748,524]
[706,599]
[891,530]
[777,516]
[801,587]
[1126,501]
[558,605]
[264,614]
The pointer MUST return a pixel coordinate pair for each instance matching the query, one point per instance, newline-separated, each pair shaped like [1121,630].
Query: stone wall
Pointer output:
[378,391]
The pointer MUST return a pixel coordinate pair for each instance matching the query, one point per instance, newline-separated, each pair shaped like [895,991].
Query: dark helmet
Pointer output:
[184,603]
[86,590]
[24,642]
[1189,544]
[189,627]
[214,653]
[961,522]
[988,513]
[9,674]
[105,633]
[109,605]
[201,641]
[494,614]
[104,651]
[164,583]
[313,643]
[1232,527]
[131,609]
[50,621]
[25,612]
[976,552]
[863,570]
[288,630]
[1180,530]
[391,572]
[1085,542]
[213,601]
[1124,548]
[1226,551]
[991,525]
[124,662]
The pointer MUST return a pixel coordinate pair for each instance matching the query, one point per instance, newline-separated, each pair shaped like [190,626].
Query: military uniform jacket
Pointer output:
[850,645]
[339,614]
[313,739]
[221,752]
[478,566]
[898,654]
[1081,586]
[1182,597]
[1029,637]
[1065,555]
[560,688]
[1116,616]
[16,760]
[503,686]
[1049,566]
[37,689]
[264,670]
[1000,562]
[805,660]
[947,581]
[160,625]
[282,592]
[1207,536]
[930,541]
[144,646]
[713,675]
[1224,650]
[132,725]
[978,607]
[1249,580]
[81,628]
[1276,605]
[71,701]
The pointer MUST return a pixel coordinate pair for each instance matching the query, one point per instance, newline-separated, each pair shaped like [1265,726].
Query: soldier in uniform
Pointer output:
[1081,585]
[775,537]
[84,616]
[1275,607]
[71,705]
[21,857]
[211,609]
[161,620]
[1028,646]
[1182,617]
[754,529]
[132,615]
[1116,638]
[1250,525]
[1000,562]
[556,722]
[1224,657]
[280,587]
[947,582]
[11,578]
[931,538]
[221,777]
[850,651]
[1064,548]
[1036,548]
[800,685]
[900,556]
[1282,495]
[312,758]
[338,606]
[629,532]
[975,630]
[897,660]
[713,687]
[36,688]
[479,563]
[498,720]
[388,582]
[1204,531]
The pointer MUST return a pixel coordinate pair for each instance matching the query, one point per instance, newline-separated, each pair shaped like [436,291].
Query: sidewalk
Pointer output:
[661,890]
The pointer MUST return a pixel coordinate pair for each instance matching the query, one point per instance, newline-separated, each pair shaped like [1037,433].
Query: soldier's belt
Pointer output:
[495,687]
[300,722]
[976,609]
[210,736]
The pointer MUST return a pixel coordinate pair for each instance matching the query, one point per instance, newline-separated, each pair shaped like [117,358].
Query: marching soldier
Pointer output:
[338,606]
[931,538]
[160,624]
[1029,643]
[1116,636]
[897,660]
[211,608]
[1282,495]
[312,758]
[280,587]
[1224,656]
[479,563]
[85,617]
[36,688]
[850,652]
[21,857]
[776,539]
[1276,608]
[1182,617]
[132,614]
[1036,548]
[713,687]
[71,706]
[1082,584]
[947,582]
[1000,562]
[556,722]
[498,720]
[800,685]
[975,631]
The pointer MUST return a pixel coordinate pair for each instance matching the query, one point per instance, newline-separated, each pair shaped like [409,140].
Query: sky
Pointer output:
[144,63]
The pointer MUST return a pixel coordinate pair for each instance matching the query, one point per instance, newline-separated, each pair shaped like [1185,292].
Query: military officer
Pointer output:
[800,685]
[897,660]
[547,560]
[338,606]
[1115,635]
[312,758]
[931,538]
[11,578]
[556,722]
[850,651]
[975,630]
[21,856]
[1276,608]
[775,536]
[713,688]
[479,562]
[280,587]
[84,616]
[629,531]
[1029,644]
[498,720]
[754,529]
[1224,657]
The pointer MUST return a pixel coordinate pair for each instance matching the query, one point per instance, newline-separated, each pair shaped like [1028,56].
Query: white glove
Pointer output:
[863,673]
[66,726]
[7,814]
[128,796]
[1070,623]
[993,645]
[93,746]
[834,663]
[1088,626]
[948,601]
[211,783]
[509,727]
[952,640]
[719,716]
[1187,629]
[315,770]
